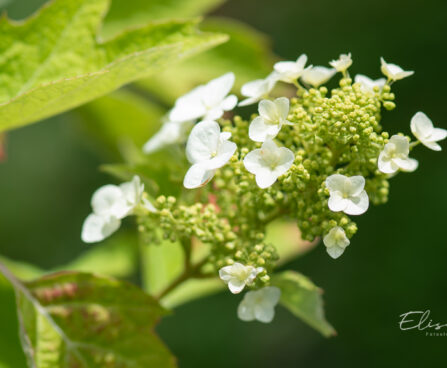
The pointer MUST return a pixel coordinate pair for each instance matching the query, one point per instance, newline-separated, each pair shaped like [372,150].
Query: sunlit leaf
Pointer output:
[82,320]
[117,256]
[286,238]
[122,16]
[303,299]
[119,118]
[247,54]
[54,61]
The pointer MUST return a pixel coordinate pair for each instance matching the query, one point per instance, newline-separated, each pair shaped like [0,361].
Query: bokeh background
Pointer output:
[397,261]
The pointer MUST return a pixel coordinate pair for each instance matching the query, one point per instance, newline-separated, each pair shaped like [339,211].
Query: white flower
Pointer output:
[423,129]
[347,194]
[96,228]
[394,156]
[258,89]
[336,241]
[268,163]
[237,276]
[272,116]
[368,84]
[110,204]
[393,72]
[317,75]
[208,101]
[171,132]
[259,304]
[290,71]
[342,63]
[207,149]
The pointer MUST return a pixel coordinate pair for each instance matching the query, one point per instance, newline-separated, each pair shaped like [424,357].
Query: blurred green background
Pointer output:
[396,262]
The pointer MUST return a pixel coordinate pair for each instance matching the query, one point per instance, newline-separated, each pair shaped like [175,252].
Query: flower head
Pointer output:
[347,194]
[110,204]
[423,129]
[171,132]
[259,305]
[237,276]
[208,150]
[393,72]
[394,156]
[272,116]
[336,241]
[368,84]
[258,89]
[268,163]
[317,75]
[290,71]
[342,63]
[208,101]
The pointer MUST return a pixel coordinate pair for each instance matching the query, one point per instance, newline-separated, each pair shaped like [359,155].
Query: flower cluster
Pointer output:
[318,158]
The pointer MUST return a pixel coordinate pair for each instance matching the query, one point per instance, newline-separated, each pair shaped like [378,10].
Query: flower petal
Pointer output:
[358,204]
[406,164]
[109,201]
[96,228]
[336,202]
[245,312]
[197,176]
[259,131]
[203,141]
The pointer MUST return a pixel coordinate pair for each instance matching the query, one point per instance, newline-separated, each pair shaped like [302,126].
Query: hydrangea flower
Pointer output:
[347,194]
[171,132]
[394,156]
[258,89]
[342,63]
[336,242]
[290,71]
[237,276]
[208,150]
[368,84]
[110,204]
[259,305]
[207,101]
[393,72]
[317,75]
[268,163]
[272,116]
[423,129]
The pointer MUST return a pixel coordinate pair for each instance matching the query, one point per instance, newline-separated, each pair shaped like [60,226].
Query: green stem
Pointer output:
[191,272]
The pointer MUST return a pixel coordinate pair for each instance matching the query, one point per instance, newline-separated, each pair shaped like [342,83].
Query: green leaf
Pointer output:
[247,54]
[11,354]
[122,16]
[162,264]
[117,256]
[286,237]
[303,299]
[103,120]
[81,320]
[54,61]
[190,290]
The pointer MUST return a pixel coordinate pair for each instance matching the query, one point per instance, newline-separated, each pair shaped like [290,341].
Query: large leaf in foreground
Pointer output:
[53,61]
[84,321]
[301,297]
[122,16]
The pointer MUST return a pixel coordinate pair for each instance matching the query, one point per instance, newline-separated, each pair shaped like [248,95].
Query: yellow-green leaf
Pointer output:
[123,15]
[54,60]
[303,299]
[247,54]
